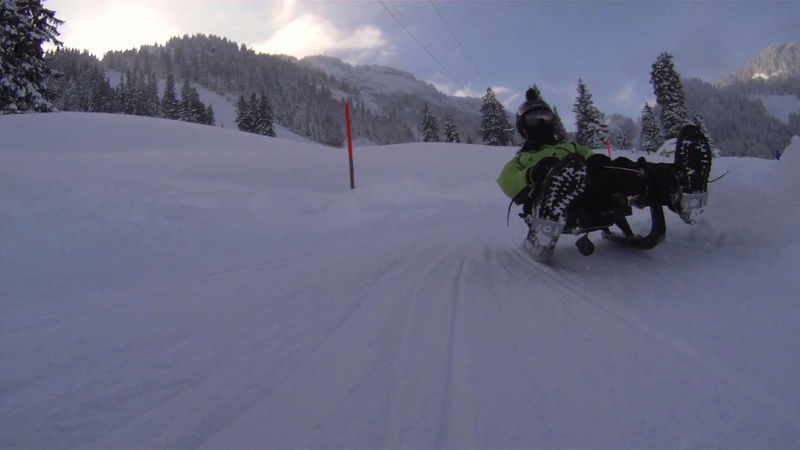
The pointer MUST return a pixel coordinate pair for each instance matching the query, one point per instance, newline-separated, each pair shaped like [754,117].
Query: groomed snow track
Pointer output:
[241,306]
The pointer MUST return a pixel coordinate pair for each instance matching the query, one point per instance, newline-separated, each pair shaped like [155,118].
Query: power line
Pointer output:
[421,44]
[458,42]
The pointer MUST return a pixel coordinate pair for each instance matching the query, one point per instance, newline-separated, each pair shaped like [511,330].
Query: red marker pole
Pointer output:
[350,145]
[608,145]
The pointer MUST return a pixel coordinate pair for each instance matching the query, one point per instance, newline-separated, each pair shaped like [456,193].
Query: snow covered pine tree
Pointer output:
[667,87]
[651,137]
[26,25]
[495,128]
[450,133]
[429,126]
[592,128]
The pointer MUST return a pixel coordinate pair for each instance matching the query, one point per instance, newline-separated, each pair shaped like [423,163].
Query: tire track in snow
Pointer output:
[287,349]
[290,362]
[707,363]
[125,399]
[285,346]
[456,427]
[414,419]
[398,432]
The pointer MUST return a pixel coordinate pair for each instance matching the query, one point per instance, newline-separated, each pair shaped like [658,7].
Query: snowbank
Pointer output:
[165,284]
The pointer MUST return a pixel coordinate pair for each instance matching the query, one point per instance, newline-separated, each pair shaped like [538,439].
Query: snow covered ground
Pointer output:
[165,284]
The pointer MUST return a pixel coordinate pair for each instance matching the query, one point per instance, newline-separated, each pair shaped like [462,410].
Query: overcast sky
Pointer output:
[463,47]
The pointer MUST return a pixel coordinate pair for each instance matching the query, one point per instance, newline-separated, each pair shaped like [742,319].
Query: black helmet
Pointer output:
[535,120]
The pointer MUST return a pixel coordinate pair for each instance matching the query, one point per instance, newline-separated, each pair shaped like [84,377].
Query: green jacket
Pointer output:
[514,178]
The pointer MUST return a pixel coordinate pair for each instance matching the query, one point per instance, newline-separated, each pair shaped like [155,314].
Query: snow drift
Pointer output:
[164,284]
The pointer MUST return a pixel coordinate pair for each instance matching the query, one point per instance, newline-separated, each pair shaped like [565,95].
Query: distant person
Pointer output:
[547,176]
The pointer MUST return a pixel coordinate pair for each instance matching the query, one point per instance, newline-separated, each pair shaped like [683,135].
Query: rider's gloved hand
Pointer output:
[537,173]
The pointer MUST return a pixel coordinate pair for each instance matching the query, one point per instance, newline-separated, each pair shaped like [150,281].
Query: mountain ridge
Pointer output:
[778,61]
[381,87]
[307,93]
[386,103]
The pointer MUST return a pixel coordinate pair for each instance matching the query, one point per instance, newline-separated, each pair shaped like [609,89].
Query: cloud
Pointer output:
[625,95]
[566,90]
[311,35]
[505,95]
[468,91]
[286,13]
[117,25]
[457,91]
[630,98]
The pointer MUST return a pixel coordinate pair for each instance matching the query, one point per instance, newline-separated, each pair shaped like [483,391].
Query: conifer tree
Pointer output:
[429,126]
[243,122]
[185,112]
[592,128]
[97,91]
[72,97]
[252,113]
[169,101]
[151,102]
[210,119]
[256,115]
[122,95]
[77,98]
[263,120]
[129,94]
[650,138]
[559,131]
[494,129]
[24,26]
[794,123]
[669,94]
[191,109]
[617,138]
[137,89]
[330,133]
[450,133]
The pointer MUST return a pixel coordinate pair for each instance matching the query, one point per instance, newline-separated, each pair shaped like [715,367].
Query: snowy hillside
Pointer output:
[224,106]
[164,284]
[376,82]
[385,90]
[372,77]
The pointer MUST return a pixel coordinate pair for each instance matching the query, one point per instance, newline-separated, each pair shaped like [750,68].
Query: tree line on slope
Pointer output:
[735,123]
[306,102]
[81,84]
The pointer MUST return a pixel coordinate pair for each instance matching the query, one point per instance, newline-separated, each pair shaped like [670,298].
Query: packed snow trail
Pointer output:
[184,286]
